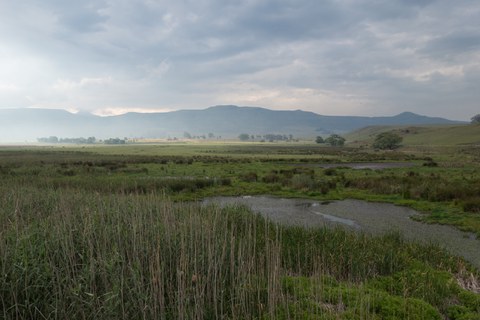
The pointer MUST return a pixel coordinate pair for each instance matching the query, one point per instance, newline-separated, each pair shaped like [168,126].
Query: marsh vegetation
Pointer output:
[112,232]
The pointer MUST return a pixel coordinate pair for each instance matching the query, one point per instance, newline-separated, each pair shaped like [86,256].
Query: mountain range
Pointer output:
[19,125]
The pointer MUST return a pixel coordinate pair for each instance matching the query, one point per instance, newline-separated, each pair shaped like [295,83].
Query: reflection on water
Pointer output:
[362,165]
[347,222]
[372,217]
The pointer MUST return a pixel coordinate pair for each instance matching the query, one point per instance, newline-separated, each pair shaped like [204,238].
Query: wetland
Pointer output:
[371,217]
[137,230]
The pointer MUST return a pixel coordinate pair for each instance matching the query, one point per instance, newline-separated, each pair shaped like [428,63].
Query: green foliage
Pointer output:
[114,141]
[81,140]
[387,140]
[335,140]
[244,136]
[249,176]
[319,139]
[51,139]
[86,235]
[457,312]
[324,297]
[475,118]
[75,255]
[472,205]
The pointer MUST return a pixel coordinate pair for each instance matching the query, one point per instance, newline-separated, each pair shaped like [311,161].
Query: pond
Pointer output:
[362,165]
[371,217]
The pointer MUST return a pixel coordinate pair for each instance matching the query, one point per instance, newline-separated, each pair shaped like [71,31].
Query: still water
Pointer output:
[372,217]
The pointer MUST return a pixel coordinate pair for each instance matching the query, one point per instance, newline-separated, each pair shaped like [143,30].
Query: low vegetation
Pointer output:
[85,255]
[106,232]
[437,137]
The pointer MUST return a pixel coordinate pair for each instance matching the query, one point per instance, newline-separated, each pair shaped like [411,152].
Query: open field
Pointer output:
[111,232]
[437,135]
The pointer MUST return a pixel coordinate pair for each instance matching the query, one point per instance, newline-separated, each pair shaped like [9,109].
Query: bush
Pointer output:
[271,178]
[472,205]
[387,140]
[430,163]
[330,172]
[302,182]
[335,140]
[250,177]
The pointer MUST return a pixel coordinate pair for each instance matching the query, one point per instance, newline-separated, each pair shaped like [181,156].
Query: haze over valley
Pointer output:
[226,122]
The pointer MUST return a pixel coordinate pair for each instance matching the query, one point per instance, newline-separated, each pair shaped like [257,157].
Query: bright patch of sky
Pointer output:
[332,57]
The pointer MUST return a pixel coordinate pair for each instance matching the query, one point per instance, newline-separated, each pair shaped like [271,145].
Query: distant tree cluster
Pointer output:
[266,137]
[54,139]
[115,141]
[210,135]
[335,140]
[243,136]
[387,141]
[476,118]
[51,139]
[319,139]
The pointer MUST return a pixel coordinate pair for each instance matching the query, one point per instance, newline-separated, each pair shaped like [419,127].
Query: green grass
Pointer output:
[447,194]
[85,255]
[436,135]
[106,233]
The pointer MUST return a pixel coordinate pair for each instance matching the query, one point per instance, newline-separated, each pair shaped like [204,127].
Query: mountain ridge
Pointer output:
[227,121]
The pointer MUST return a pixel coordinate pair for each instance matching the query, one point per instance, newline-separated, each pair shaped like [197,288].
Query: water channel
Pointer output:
[371,217]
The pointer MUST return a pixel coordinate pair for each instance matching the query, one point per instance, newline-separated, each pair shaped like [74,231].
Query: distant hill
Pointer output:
[226,121]
[438,135]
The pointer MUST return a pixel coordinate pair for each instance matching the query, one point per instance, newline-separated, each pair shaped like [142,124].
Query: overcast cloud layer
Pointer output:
[333,57]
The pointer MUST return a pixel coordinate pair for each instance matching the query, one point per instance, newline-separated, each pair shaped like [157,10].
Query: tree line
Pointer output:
[266,137]
[81,140]
[54,139]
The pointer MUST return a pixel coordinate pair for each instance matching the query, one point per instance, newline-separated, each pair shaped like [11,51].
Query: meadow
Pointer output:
[117,232]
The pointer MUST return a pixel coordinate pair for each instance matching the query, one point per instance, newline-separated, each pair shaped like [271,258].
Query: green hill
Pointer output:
[449,135]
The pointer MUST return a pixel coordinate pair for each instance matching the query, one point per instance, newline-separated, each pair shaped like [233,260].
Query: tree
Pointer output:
[335,140]
[244,136]
[387,140]
[114,141]
[476,118]
[319,139]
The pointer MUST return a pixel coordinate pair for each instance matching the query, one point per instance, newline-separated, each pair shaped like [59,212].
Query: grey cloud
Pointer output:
[379,50]
[452,44]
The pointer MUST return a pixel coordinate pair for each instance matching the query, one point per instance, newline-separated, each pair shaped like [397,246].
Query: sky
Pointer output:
[332,57]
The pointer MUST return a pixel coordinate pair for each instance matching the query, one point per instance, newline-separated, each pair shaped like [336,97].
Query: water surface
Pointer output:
[372,217]
[363,165]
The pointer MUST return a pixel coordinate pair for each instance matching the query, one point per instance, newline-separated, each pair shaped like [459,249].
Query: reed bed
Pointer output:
[86,255]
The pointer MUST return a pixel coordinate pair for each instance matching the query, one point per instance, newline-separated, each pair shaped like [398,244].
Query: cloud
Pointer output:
[360,57]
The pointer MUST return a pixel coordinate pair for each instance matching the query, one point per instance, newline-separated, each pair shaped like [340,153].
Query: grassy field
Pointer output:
[436,135]
[111,232]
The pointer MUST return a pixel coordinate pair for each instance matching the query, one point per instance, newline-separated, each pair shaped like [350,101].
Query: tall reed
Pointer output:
[71,255]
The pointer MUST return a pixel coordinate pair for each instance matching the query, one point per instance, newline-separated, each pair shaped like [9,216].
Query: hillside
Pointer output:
[225,121]
[449,135]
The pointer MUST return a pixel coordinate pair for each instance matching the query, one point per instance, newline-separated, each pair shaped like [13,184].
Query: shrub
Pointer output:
[330,172]
[387,140]
[430,163]
[472,205]
[302,181]
[271,178]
